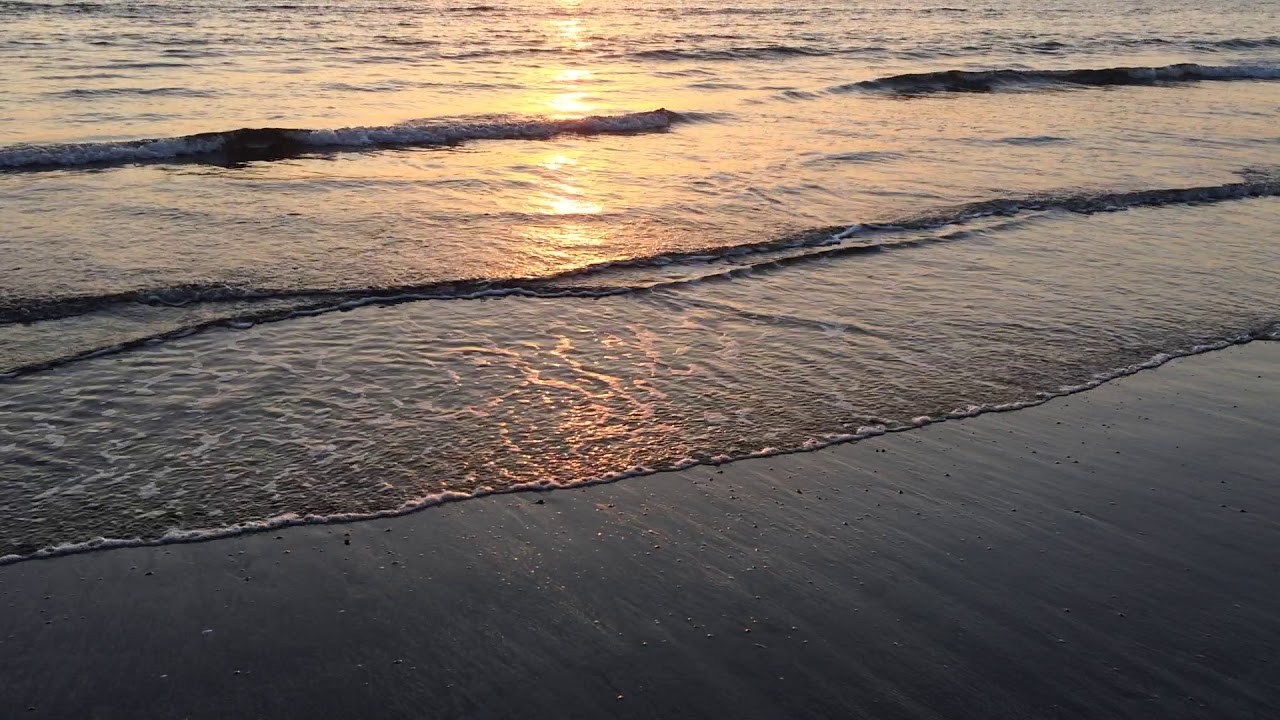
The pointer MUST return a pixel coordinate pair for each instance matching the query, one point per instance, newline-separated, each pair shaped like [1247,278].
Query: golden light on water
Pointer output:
[570,104]
[573,75]
[574,100]
[566,196]
[565,244]
[569,32]
[568,204]
[565,188]
[557,161]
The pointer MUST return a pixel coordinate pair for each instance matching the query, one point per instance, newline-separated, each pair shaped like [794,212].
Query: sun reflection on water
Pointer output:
[567,195]
[566,199]
[572,94]
[570,105]
[569,205]
[573,75]
[569,32]
[566,185]
[571,97]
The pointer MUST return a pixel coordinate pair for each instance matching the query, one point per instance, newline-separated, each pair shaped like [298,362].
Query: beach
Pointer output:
[1109,554]
[698,359]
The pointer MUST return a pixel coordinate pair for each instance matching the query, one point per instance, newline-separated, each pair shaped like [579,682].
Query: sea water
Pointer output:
[276,262]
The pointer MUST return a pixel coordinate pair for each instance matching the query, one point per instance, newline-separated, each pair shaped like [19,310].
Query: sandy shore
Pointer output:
[1114,554]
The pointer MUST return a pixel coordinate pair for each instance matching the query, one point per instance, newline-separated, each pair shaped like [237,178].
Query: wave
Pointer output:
[601,280]
[1203,44]
[1031,140]
[22,6]
[1256,183]
[854,157]
[247,144]
[118,91]
[1241,43]
[1008,79]
[1261,334]
[1108,43]
[145,9]
[757,52]
[691,51]
[707,47]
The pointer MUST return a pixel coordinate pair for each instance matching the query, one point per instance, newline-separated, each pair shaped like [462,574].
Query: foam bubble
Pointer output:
[806,445]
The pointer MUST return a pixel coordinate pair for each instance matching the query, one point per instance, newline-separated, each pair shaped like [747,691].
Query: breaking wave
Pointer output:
[996,80]
[247,144]
[758,52]
[615,277]
[1269,332]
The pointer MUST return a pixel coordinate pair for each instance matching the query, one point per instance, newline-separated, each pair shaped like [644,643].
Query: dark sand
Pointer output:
[1114,554]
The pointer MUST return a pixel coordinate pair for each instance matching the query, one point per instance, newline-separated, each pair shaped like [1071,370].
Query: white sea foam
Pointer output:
[250,143]
[71,155]
[436,133]
[993,80]
[290,519]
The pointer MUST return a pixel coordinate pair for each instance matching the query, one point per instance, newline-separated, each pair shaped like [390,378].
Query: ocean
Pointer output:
[268,263]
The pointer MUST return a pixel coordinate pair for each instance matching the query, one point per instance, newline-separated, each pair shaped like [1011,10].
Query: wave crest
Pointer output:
[616,277]
[1008,79]
[246,144]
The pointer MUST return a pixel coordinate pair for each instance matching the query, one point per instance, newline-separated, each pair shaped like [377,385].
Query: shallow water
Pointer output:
[581,241]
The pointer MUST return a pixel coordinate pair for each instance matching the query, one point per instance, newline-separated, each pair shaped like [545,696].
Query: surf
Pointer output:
[986,81]
[273,143]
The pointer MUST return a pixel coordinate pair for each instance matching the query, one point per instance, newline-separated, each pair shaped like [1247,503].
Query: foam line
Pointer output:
[1271,333]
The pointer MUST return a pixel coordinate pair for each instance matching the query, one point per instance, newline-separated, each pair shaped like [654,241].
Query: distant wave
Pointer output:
[711,47]
[19,6]
[1031,140]
[272,143]
[1243,43]
[755,52]
[854,157]
[160,8]
[1105,44]
[788,10]
[695,50]
[995,80]
[595,280]
[120,91]
[1206,44]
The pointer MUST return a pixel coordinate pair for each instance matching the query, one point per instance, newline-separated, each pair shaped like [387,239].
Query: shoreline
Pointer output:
[1114,553]
[1267,333]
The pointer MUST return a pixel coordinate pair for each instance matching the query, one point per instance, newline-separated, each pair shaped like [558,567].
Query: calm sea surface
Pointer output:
[273,262]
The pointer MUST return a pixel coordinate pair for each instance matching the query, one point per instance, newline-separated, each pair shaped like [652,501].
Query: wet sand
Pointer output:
[1113,554]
